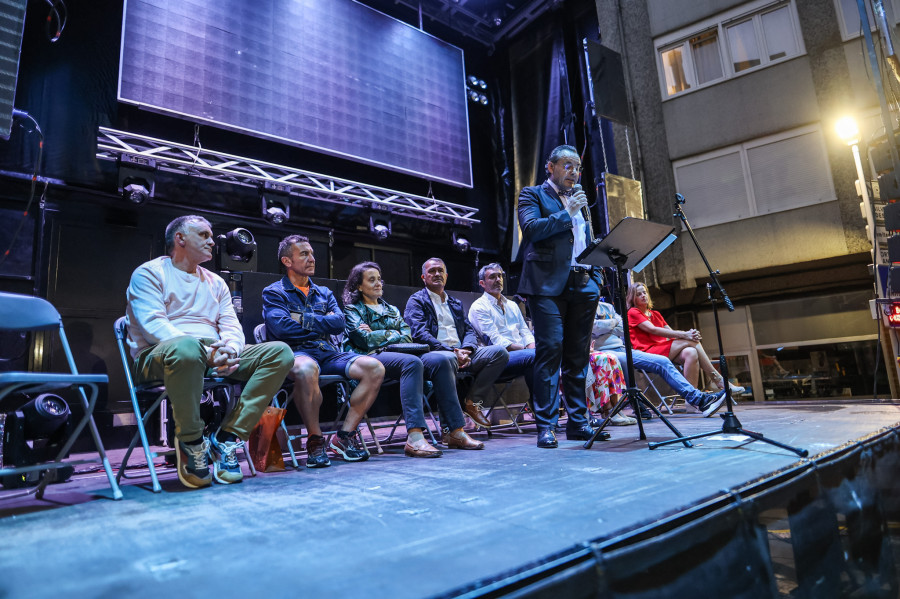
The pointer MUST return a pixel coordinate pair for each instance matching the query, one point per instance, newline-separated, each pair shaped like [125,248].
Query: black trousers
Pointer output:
[562,332]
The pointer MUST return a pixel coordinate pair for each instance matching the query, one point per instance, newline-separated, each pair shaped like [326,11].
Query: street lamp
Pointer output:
[848,132]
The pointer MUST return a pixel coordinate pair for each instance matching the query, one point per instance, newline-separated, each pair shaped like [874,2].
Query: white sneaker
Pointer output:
[621,419]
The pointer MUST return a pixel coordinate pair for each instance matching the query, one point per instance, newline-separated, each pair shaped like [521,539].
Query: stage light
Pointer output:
[236,251]
[482,99]
[35,433]
[44,416]
[239,244]
[847,130]
[460,243]
[480,83]
[380,228]
[473,80]
[137,192]
[136,181]
[276,202]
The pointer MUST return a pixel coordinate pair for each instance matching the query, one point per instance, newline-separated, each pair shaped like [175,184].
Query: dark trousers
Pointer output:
[562,332]
[410,371]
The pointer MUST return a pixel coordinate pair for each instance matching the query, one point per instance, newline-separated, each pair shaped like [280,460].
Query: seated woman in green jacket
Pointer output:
[372,324]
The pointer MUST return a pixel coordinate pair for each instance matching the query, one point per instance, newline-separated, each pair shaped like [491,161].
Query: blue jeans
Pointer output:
[663,366]
[411,371]
[521,363]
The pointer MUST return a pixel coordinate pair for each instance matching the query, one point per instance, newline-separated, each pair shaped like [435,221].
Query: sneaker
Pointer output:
[316,456]
[710,403]
[226,469]
[621,419]
[193,464]
[349,446]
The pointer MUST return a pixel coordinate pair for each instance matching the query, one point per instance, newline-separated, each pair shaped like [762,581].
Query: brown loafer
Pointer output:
[422,449]
[458,439]
[475,414]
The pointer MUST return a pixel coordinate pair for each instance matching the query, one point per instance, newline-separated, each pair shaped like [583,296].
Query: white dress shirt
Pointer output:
[446,325]
[502,327]
[579,227]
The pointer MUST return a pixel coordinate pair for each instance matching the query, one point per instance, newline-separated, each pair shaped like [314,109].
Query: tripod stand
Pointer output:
[632,243]
[632,395]
[730,422]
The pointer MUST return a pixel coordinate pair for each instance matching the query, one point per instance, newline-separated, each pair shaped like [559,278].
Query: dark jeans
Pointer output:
[562,332]
[438,367]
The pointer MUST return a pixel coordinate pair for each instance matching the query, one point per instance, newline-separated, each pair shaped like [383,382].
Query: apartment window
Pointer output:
[727,45]
[848,16]
[772,174]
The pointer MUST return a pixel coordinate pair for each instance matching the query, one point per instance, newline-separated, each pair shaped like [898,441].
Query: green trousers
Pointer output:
[180,363]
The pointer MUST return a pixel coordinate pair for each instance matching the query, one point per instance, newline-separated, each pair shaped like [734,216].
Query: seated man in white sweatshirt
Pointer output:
[181,327]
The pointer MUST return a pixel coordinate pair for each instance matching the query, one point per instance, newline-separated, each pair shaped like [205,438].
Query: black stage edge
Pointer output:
[726,518]
[834,513]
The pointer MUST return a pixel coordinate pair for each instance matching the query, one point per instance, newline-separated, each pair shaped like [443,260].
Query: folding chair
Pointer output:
[343,386]
[665,401]
[426,399]
[155,390]
[26,313]
[514,415]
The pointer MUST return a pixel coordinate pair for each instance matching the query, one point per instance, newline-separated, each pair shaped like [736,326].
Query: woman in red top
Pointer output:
[651,333]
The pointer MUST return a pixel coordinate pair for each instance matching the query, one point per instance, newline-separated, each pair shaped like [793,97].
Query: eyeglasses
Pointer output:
[572,167]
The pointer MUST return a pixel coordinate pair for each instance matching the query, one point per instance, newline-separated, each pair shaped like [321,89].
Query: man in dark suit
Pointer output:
[562,294]
[438,320]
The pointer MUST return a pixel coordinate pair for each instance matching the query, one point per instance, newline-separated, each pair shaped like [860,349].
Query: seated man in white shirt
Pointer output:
[500,322]
[182,326]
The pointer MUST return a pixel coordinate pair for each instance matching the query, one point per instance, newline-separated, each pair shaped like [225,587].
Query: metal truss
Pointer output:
[217,166]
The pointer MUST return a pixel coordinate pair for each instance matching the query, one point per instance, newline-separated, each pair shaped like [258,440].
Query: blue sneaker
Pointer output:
[193,464]
[226,469]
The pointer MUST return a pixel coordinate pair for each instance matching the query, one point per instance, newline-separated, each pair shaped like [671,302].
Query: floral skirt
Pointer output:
[604,378]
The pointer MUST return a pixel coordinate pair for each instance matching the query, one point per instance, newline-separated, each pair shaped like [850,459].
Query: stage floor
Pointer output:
[394,526]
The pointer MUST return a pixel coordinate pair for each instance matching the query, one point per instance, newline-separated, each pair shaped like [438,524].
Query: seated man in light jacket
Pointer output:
[607,334]
[181,327]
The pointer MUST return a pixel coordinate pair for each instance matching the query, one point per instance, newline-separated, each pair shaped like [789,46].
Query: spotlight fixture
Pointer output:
[460,243]
[476,90]
[380,228]
[136,180]
[275,212]
[236,251]
[33,434]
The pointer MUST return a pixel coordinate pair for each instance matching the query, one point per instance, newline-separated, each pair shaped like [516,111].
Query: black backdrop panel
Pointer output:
[12,22]
[330,75]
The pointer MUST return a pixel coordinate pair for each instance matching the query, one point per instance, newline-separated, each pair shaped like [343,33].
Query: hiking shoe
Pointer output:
[316,456]
[348,446]
[710,403]
[226,469]
[193,464]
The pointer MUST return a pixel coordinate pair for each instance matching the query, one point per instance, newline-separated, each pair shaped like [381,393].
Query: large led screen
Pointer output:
[329,75]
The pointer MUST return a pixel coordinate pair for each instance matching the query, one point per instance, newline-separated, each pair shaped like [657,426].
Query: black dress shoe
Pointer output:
[547,437]
[584,434]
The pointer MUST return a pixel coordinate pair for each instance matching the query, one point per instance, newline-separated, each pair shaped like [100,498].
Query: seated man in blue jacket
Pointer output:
[439,321]
[305,316]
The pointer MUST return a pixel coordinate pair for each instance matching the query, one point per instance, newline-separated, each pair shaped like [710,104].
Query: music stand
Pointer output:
[632,244]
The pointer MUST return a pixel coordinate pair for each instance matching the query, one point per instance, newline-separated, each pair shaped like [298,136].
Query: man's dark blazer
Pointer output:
[547,240]
[423,321]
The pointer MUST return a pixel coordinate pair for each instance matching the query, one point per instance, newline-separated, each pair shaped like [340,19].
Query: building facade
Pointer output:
[734,105]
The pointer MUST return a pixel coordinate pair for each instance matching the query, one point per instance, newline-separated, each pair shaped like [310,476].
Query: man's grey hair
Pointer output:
[492,266]
[178,226]
[558,151]
[424,270]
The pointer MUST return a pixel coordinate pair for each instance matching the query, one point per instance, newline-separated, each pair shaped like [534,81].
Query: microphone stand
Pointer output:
[730,422]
